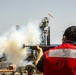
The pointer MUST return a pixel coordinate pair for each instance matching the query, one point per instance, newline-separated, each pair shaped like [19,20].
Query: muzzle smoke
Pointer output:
[11,42]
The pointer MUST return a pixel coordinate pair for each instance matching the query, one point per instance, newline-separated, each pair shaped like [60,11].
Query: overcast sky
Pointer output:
[20,12]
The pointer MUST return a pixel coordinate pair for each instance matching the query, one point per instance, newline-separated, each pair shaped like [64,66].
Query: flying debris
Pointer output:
[17,27]
[51,15]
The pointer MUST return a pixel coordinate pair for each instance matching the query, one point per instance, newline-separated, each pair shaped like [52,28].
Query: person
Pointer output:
[60,60]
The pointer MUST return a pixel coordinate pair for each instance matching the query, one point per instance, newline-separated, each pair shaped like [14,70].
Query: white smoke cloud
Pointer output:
[11,42]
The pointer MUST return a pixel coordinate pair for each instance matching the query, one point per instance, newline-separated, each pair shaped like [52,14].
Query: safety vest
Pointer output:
[60,60]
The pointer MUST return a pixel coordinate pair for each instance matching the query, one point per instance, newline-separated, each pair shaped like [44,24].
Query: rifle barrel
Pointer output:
[34,47]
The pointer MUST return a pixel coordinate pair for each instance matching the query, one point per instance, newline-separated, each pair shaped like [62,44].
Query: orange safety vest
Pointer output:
[60,61]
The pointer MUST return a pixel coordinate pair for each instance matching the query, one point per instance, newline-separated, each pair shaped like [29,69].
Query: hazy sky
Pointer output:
[20,12]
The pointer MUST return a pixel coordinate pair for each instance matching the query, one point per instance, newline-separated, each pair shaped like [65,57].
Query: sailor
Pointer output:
[60,60]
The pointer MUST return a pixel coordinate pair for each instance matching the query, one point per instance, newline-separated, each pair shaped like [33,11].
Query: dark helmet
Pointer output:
[70,33]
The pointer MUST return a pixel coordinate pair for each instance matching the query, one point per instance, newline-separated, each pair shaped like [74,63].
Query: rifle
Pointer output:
[34,47]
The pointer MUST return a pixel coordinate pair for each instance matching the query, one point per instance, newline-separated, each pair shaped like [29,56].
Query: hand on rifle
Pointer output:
[39,55]
[38,58]
[39,49]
